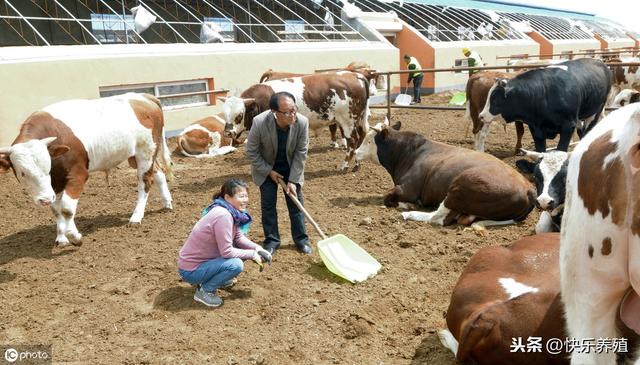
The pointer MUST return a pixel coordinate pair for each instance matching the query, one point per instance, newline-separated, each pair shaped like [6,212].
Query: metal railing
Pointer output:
[458,69]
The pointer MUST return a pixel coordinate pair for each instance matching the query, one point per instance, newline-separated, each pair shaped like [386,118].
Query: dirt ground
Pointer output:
[118,298]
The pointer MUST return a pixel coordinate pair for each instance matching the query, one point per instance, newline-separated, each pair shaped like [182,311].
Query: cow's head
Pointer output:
[368,150]
[234,109]
[550,175]
[496,99]
[31,163]
[626,97]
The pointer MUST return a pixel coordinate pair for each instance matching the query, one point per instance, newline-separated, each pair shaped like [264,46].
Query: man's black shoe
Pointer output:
[271,249]
[305,249]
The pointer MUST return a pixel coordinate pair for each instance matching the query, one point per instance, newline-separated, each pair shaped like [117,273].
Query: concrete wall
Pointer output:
[447,53]
[620,42]
[574,45]
[34,77]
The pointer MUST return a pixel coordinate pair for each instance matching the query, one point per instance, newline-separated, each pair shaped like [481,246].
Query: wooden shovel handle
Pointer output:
[299,205]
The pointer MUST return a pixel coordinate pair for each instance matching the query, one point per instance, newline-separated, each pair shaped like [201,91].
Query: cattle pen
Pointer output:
[389,105]
[118,297]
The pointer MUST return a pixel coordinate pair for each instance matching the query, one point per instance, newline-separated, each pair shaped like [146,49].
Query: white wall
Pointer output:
[33,77]
[447,53]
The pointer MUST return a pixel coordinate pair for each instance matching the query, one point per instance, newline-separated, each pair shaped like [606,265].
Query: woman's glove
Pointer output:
[265,255]
[257,259]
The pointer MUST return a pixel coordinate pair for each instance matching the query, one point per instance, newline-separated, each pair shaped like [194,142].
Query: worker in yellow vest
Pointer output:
[416,77]
[474,59]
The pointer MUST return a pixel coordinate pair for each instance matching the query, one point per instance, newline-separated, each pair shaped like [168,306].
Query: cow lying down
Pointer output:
[464,185]
[510,296]
[205,138]
[504,293]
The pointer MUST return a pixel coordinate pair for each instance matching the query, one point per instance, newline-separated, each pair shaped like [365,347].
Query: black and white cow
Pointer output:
[549,171]
[552,100]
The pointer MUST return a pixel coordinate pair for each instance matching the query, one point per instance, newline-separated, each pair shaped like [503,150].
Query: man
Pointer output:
[412,64]
[277,147]
[473,59]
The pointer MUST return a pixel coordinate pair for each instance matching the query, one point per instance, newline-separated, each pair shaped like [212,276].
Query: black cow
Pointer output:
[549,171]
[552,100]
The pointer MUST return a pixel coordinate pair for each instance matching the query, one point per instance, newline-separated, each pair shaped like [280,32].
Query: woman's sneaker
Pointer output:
[207,298]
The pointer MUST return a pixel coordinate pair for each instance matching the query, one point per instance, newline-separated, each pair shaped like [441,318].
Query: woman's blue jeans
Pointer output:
[213,274]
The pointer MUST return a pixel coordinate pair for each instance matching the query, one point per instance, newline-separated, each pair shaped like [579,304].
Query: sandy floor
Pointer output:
[118,298]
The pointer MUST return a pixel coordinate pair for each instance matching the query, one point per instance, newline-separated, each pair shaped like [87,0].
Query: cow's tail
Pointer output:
[266,76]
[164,162]
[366,113]
[183,149]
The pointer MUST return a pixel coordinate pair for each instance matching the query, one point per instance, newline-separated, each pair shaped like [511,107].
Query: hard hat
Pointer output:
[466,50]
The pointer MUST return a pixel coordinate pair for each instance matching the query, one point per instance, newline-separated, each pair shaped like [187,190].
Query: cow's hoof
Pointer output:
[355,168]
[135,220]
[62,241]
[333,145]
[75,238]
[168,206]
[407,215]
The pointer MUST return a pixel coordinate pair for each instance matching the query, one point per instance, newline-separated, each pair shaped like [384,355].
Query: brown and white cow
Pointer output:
[626,97]
[277,75]
[340,98]
[464,185]
[59,146]
[206,138]
[477,90]
[624,78]
[600,244]
[507,297]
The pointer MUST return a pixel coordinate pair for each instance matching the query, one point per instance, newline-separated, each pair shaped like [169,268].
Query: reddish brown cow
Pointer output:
[464,185]
[477,90]
[504,297]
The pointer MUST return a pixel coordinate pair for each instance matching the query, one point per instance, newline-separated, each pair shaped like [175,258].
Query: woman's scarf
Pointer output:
[240,219]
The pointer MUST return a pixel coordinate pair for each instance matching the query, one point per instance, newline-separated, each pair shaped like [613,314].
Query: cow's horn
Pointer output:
[386,121]
[531,155]
[48,140]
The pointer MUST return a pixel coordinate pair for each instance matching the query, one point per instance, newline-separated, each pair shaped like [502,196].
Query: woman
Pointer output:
[212,255]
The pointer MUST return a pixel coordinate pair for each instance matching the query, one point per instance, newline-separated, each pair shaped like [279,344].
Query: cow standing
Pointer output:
[600,244]
[504,297]
[552,100]
[464,185]
[60,145]
[477,90]
[340,98]
[206,138]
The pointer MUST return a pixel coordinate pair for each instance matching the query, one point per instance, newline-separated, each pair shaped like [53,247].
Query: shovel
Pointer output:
[403,99]
[339,254]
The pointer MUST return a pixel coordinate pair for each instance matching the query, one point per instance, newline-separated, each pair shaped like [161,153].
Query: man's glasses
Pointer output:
[289,113]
